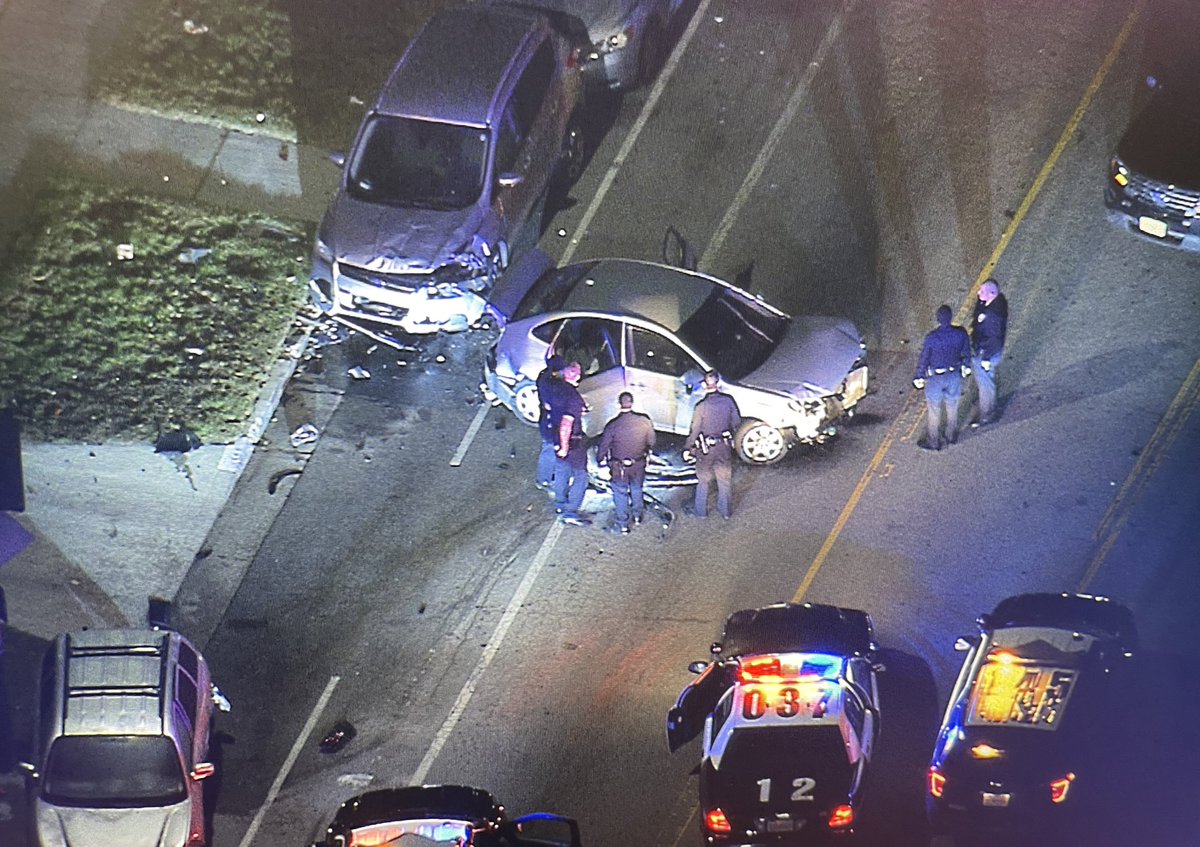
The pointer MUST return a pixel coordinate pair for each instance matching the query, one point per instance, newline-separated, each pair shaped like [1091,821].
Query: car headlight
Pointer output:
[322,250]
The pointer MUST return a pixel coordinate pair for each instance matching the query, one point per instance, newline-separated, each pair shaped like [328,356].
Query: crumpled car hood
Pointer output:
[165,826]
[812,359]
[390,240]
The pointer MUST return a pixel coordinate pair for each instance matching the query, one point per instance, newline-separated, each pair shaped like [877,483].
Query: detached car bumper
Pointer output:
[417,311]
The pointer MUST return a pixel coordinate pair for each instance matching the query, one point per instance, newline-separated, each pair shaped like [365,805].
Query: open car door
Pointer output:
[542,829]
[695,703]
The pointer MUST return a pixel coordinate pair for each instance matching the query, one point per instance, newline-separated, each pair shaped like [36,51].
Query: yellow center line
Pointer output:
[965,309]
[1148,462]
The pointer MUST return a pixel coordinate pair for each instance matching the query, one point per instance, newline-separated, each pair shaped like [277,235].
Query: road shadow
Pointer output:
[894,810]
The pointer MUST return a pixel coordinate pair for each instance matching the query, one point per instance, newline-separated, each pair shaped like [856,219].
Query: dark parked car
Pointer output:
[789,710]
[1154,178]
[1039,690]
[442,816]
[451,165]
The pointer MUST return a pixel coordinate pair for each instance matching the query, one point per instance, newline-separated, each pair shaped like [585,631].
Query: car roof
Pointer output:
[1092,614]
[657,293]
[115,681]
[796,627]
[455,64]
[387,804]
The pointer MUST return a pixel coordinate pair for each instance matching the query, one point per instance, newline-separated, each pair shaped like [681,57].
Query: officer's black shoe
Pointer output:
[926,444]
[638,519]
[981,422]
[576,520]
[953,439]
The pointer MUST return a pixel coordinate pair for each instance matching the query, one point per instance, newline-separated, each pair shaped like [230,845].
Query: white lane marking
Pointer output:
[489,653]
[636,130]
[472,431]
[291,760]
[776,136]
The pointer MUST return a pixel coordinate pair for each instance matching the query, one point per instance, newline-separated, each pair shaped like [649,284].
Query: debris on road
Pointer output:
[359,372]
[305,434]
[279,476]
[179,441]
[343,733]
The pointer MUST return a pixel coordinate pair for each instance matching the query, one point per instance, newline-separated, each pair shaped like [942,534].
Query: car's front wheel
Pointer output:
[759,443]
[526,403]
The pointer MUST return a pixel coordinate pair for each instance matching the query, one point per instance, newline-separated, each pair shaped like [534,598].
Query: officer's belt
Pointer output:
[939,371]
[629,463]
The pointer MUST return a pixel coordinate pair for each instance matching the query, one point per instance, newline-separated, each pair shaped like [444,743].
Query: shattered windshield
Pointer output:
[734,334]
[113,771]
[419,164]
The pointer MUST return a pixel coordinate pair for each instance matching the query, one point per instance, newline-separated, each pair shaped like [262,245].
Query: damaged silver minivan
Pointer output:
[450,170]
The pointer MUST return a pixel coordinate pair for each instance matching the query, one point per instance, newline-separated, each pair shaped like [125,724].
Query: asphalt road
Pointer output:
[871,159]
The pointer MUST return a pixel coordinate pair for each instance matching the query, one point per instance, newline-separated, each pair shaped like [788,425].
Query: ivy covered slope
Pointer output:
[123,316]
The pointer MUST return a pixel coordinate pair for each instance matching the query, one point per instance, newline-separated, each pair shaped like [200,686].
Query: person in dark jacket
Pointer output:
[715,421]
[945,359]
[548,381]
[989,327]
[624,445]
[570,467]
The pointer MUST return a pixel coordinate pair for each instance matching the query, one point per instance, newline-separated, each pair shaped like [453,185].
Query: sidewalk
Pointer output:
[112,525]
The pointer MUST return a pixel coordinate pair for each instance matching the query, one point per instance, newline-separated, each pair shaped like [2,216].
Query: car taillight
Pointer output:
[937,783]
[842,817]
[1060,787]
[716,822]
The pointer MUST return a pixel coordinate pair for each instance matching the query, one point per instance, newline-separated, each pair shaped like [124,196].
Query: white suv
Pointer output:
[122,741]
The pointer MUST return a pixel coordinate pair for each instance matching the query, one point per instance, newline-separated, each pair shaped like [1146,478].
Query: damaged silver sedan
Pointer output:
[654,330]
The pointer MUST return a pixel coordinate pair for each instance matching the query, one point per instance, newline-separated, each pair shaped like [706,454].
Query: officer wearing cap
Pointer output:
[989,326]
[945,359]
[570,466]
[710,440]
[624,445]
[548,381]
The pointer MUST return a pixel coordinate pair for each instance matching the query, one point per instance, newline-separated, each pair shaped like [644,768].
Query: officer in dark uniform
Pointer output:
[945,359]
[570,466]
[624,445]
[989,327]
[548,381]
[715,420]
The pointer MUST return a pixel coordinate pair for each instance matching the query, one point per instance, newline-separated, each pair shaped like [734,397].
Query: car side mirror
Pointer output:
[220,700]
[962,644]
[509,179]
[984,621]
[203,770]
[338,157]
[879,667]
[698,667]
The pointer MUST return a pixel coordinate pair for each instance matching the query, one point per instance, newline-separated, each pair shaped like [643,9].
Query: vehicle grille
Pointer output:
[396,282]
[1182,202]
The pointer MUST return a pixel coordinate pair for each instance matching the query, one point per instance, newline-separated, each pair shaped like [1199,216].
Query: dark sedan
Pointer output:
[442,816]
[1039,687]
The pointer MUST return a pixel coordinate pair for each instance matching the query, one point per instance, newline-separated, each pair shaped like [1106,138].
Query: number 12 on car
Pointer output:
[802,790]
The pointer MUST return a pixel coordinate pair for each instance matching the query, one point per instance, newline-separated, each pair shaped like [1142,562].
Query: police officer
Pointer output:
[710,440]
[989,327]
[945,359]
[624,445]
[548,381]
[570,466]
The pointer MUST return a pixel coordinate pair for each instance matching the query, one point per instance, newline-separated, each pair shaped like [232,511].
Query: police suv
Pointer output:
[789,711]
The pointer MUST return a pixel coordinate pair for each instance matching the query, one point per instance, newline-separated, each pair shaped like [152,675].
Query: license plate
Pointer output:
[1153,226]
[856,387]
[996,800]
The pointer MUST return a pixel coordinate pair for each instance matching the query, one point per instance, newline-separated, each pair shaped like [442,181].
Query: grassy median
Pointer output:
[298,68]
[124,316]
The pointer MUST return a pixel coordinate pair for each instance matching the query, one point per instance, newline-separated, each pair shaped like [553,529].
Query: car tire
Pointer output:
[652,53]
[759,443]
[526,405]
